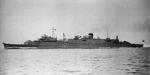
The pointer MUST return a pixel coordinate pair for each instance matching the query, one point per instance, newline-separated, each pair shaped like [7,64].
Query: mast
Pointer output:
[107,32]
[53,32]
[64,36]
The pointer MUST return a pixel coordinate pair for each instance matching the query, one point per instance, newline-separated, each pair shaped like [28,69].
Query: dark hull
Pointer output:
[18,46]
[63,45]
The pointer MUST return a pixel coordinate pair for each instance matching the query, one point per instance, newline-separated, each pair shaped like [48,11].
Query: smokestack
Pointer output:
[90,35]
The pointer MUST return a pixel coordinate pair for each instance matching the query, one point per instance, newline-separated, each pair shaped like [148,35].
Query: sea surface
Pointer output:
[106,61]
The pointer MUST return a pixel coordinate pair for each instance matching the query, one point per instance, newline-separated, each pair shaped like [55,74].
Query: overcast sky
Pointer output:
[21,20]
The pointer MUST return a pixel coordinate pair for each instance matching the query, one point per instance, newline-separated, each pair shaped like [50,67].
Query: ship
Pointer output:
[78,42]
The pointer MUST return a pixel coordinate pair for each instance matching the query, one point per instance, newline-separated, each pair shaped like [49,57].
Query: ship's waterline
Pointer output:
[107,61]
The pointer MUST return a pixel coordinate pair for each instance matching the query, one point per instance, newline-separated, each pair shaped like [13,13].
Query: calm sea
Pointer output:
[107,61]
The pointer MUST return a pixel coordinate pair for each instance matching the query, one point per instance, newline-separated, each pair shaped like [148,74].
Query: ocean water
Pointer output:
[107,61]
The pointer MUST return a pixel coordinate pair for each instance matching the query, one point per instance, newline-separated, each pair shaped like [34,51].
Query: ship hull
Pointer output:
[66,45]
[18,46]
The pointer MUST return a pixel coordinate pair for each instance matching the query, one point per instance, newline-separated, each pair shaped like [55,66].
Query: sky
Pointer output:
[22,20]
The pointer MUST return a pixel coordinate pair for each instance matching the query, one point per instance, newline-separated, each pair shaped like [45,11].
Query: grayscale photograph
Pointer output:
[74,37]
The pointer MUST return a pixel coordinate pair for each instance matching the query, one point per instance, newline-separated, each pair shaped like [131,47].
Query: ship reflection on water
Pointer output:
[107,61]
